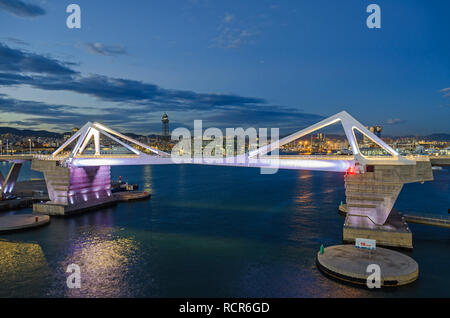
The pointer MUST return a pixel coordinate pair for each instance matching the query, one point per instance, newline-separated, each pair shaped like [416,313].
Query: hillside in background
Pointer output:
[28,132]
[49,134]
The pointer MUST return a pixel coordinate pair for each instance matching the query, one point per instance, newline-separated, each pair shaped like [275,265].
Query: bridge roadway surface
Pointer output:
[335,163]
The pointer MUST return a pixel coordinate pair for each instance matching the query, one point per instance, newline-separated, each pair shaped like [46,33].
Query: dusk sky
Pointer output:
[233,63]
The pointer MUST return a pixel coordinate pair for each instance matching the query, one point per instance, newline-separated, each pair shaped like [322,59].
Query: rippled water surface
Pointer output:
[214,232]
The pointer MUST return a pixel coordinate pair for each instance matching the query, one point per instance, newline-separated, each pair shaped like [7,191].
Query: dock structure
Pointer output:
[395,232]
[440,161]
[127,196]
[73,189]
[429,219]
[18,222]
[349,264]
[370,200]
[423,218]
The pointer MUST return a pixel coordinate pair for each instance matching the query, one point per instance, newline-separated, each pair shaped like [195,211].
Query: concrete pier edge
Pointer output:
[339,264]
[14,223]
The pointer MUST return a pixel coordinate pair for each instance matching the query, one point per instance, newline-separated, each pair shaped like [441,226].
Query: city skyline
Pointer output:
[273,71]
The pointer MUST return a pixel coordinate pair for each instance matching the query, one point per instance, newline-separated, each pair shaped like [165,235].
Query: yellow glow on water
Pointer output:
[147,178]
[305,174]
[104,263]
[21,263]
[304,198]
[303,188]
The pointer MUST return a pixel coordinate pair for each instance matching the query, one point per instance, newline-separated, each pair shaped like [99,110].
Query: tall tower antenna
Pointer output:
[165,127]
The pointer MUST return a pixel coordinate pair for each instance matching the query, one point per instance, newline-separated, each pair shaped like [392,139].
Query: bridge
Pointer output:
[78,180]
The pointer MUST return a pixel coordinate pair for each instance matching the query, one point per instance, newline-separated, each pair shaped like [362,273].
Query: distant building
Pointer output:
[165,127]
[376,130]
[67,136]
[75,130]
[318,142]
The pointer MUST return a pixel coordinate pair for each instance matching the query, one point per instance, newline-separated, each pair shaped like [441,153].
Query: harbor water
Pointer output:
[214,232]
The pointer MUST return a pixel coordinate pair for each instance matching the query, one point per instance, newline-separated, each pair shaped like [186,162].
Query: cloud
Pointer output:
[145,120]
[17,41]
[134,92]
[228,18]
[232,35]
[395,121]
[101,49]
[26,123]
[18,67]
[445,91]
[13,60]
[10,105]
[233,38]
[60,116]
[287,119]
[131,101]
[21,9]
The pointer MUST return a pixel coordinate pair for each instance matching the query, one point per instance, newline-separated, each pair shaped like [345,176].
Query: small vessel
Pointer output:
[122,186]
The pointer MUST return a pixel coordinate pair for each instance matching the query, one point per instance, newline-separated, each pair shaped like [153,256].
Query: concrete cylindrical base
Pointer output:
[18,222]
[350,264]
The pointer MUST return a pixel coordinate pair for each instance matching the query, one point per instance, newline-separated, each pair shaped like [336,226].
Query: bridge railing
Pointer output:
[315,157]
[418,157]
[49,157]
[366,217]
[107,156]
[428,216]
[17,155]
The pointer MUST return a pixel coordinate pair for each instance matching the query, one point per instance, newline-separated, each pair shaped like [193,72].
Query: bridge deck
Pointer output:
[336,163]
[429,219]
[281,156]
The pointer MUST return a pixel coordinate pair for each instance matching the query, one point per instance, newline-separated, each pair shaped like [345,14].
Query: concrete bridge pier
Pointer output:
[7,185]
[370,200]
[73,189]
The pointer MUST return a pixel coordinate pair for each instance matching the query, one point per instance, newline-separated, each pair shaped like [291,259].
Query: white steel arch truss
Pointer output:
[94,131]
[349,125]
[256,158]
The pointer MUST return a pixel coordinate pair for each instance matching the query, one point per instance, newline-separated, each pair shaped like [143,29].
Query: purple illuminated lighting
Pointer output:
[89,184]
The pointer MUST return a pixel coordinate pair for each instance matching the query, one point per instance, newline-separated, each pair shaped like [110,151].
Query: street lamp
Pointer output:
[7,144]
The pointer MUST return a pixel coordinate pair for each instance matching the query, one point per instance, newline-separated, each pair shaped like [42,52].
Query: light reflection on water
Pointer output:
[104,261]
[147,178]
[22,265]
[304,188]
[212,232]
